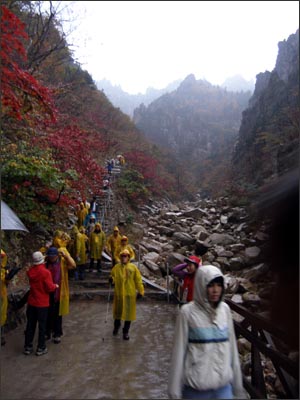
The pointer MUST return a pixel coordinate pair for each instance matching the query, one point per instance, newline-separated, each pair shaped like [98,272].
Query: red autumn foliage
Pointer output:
[72,149]
[22,96]
[148,167]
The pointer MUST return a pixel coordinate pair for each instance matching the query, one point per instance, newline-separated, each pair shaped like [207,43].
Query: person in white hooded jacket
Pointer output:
[205,360]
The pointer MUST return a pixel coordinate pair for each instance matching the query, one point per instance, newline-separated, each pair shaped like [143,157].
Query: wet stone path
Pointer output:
[90,363]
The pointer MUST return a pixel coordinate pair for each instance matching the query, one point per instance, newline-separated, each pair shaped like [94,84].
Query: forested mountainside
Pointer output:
[58,130]
[199,123]
[128,102]
[268,140]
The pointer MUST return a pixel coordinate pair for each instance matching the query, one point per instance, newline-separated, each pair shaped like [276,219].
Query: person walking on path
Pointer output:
[41,284]
[58,261]
[124,245]
[205,361]
[186,272]
[97,244]
[127,281]
[112,243]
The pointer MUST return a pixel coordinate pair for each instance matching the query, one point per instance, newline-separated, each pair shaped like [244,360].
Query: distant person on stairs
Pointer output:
[112,243]
[97,244]
[94,206]
[124,245]
[127,281]
[81,214]
[91,225]
[88,218]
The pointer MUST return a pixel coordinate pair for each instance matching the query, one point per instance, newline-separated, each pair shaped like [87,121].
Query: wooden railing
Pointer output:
[265,338]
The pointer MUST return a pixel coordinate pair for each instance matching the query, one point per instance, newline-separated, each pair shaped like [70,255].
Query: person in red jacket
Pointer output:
[186,272]
[41,284]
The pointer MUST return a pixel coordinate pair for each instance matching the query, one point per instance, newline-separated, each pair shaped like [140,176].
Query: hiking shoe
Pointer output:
[41,352]
[27,350]
[115,331]
[57,339]
[47,337]
[125,336]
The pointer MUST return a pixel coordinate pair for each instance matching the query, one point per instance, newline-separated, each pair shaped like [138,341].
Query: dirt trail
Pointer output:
[90,363]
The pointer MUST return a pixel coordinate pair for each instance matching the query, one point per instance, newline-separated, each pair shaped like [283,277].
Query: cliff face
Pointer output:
[268,139]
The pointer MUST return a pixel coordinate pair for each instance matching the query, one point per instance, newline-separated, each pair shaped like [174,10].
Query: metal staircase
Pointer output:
[106,203]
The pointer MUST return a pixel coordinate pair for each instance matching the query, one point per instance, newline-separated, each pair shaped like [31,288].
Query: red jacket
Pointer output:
[189,284]
[41,284]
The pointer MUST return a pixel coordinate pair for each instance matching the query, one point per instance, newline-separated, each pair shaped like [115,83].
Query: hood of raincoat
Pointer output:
[63,240]
[75,230]
[203,277]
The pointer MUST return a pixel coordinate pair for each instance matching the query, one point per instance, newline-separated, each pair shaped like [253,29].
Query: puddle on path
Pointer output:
[90,363]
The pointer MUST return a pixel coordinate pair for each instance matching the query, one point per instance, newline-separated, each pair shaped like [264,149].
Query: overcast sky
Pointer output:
[141,44]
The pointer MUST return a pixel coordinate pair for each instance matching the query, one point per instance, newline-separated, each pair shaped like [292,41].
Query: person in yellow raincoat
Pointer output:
[97,244]
[59,262]
[82,248]
[56,237]
[113,241]
[127,281]
[73,248]
[81,214]
[3,294]
[124,245]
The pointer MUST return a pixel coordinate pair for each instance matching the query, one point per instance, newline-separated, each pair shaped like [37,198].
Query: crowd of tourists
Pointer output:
[204,362]
[70,255]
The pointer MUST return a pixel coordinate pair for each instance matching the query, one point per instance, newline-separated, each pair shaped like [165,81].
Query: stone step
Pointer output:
[95,293]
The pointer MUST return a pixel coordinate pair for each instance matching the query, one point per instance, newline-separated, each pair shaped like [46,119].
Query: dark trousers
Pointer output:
[98,264]
[54,320]
[36,315]
[79,272]
[117,324]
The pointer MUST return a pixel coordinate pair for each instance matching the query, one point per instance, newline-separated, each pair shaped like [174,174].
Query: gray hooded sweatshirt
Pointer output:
[205,354]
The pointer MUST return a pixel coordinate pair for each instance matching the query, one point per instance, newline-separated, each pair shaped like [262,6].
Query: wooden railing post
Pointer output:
[257,375]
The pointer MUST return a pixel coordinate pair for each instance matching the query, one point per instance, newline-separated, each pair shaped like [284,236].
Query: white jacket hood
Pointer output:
[204,275]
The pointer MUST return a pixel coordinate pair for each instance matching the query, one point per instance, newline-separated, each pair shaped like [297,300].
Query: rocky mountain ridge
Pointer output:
[128,102]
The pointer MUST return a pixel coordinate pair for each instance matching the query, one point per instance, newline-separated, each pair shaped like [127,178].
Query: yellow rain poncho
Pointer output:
[81,214]
[56,237]
[82,245]
[127,280]
[3,292]
[66,263]
[122,246]
[97,242]
[113,241]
